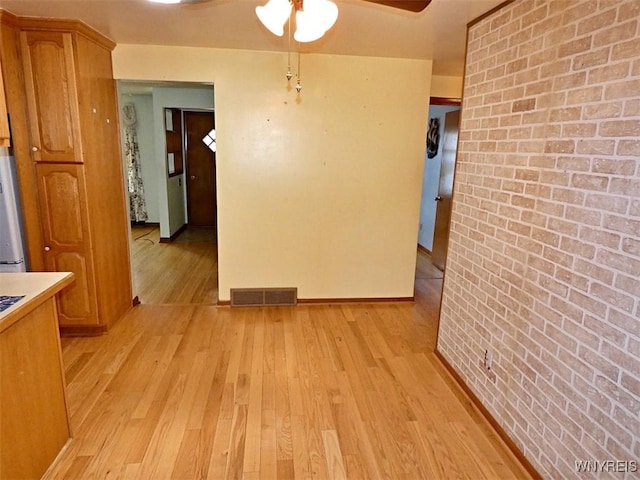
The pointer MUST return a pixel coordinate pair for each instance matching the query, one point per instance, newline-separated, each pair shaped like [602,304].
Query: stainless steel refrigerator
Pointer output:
[12,257]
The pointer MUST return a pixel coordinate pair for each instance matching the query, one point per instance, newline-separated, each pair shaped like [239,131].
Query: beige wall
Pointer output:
[320,192]
[544,257]
[446,86]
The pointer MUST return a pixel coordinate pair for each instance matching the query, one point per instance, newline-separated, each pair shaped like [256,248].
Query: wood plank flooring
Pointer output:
[183,271]
[314,391]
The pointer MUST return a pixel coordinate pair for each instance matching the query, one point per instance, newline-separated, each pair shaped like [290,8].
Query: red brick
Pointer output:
[608,369]
[570,81]
[559,146]
[581,9]
[619,128]
[606,202]
[605,330]
[596,22]
[616,34]
[632,108]
[574,164]
[589,182]
[629,10]
[577,247]
[584,216]
[596,147]
[561,35]
[591,59]
[600,237]
[626,50]
[615,167]
[604,110]
[594,271]
[621,224]
[625,186]
[557,67]
[628,284]
[566,114]
[585,95]
[564,227]
[574,47]
[568,196]
[578,130]
[631,246]
[609,73]
[623,263]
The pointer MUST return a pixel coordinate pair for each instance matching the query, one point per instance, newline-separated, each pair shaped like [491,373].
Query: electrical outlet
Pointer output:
[488,359]
[487,364]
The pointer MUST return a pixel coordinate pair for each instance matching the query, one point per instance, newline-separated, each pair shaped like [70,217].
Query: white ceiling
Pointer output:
[362,28]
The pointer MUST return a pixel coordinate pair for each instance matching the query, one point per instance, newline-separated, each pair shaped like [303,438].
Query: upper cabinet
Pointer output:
[50,87]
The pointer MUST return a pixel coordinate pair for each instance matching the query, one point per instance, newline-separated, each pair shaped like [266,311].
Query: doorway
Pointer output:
[445,189]
[170,262]
[429,242]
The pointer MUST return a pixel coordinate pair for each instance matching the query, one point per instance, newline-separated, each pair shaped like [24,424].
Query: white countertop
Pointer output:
[36,288]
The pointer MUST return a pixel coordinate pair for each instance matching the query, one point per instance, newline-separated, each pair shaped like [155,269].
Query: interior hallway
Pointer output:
[184,271]
[313,391]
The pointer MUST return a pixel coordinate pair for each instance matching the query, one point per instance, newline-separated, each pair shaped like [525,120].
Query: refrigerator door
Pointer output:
[11,241]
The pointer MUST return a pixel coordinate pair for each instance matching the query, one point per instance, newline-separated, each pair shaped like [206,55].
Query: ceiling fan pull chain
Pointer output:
[289,74]
[298,85]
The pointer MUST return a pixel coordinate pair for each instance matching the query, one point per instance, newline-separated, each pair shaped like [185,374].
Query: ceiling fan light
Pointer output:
[315,19]
[274,14]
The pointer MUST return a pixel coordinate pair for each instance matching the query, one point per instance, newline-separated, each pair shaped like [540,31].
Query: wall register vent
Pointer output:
[258,297]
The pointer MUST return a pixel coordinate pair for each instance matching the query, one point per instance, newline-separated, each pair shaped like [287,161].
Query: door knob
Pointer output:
[46,249]
[438,198]
[34,149]
[193,177]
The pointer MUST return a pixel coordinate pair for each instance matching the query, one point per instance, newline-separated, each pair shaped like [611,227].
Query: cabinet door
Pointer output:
[52,98]
[67,241]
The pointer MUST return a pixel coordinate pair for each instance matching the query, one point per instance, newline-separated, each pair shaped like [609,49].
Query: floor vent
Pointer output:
[257,297]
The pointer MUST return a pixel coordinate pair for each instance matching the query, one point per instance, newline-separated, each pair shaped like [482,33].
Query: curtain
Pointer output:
[137,204]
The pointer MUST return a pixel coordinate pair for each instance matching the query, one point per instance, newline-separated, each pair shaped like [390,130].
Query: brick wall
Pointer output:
[543,266]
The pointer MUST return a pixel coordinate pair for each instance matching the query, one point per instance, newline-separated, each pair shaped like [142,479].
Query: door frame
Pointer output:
[440,102]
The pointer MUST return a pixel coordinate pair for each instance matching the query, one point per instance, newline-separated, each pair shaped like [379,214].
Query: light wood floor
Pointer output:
[180,272]
[313,391]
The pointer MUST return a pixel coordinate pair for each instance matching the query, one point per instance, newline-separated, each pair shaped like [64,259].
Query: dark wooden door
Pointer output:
[445,189]
[201,170]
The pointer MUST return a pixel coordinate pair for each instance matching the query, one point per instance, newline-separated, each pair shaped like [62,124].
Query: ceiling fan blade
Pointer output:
[409,5]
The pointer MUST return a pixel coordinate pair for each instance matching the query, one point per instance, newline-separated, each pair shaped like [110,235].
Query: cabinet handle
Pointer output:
[46,249]
[438,198]
[34,149]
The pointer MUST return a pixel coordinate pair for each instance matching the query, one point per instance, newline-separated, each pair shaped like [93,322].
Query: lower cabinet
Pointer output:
[67,237]
[34,424]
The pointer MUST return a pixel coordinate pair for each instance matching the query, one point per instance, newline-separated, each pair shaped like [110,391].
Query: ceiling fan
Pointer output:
[313,17]
[409,5]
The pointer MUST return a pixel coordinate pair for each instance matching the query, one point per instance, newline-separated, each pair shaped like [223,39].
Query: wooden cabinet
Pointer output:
[52,99]
[34,421]
[65,222]
[5,140]
[68,147]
